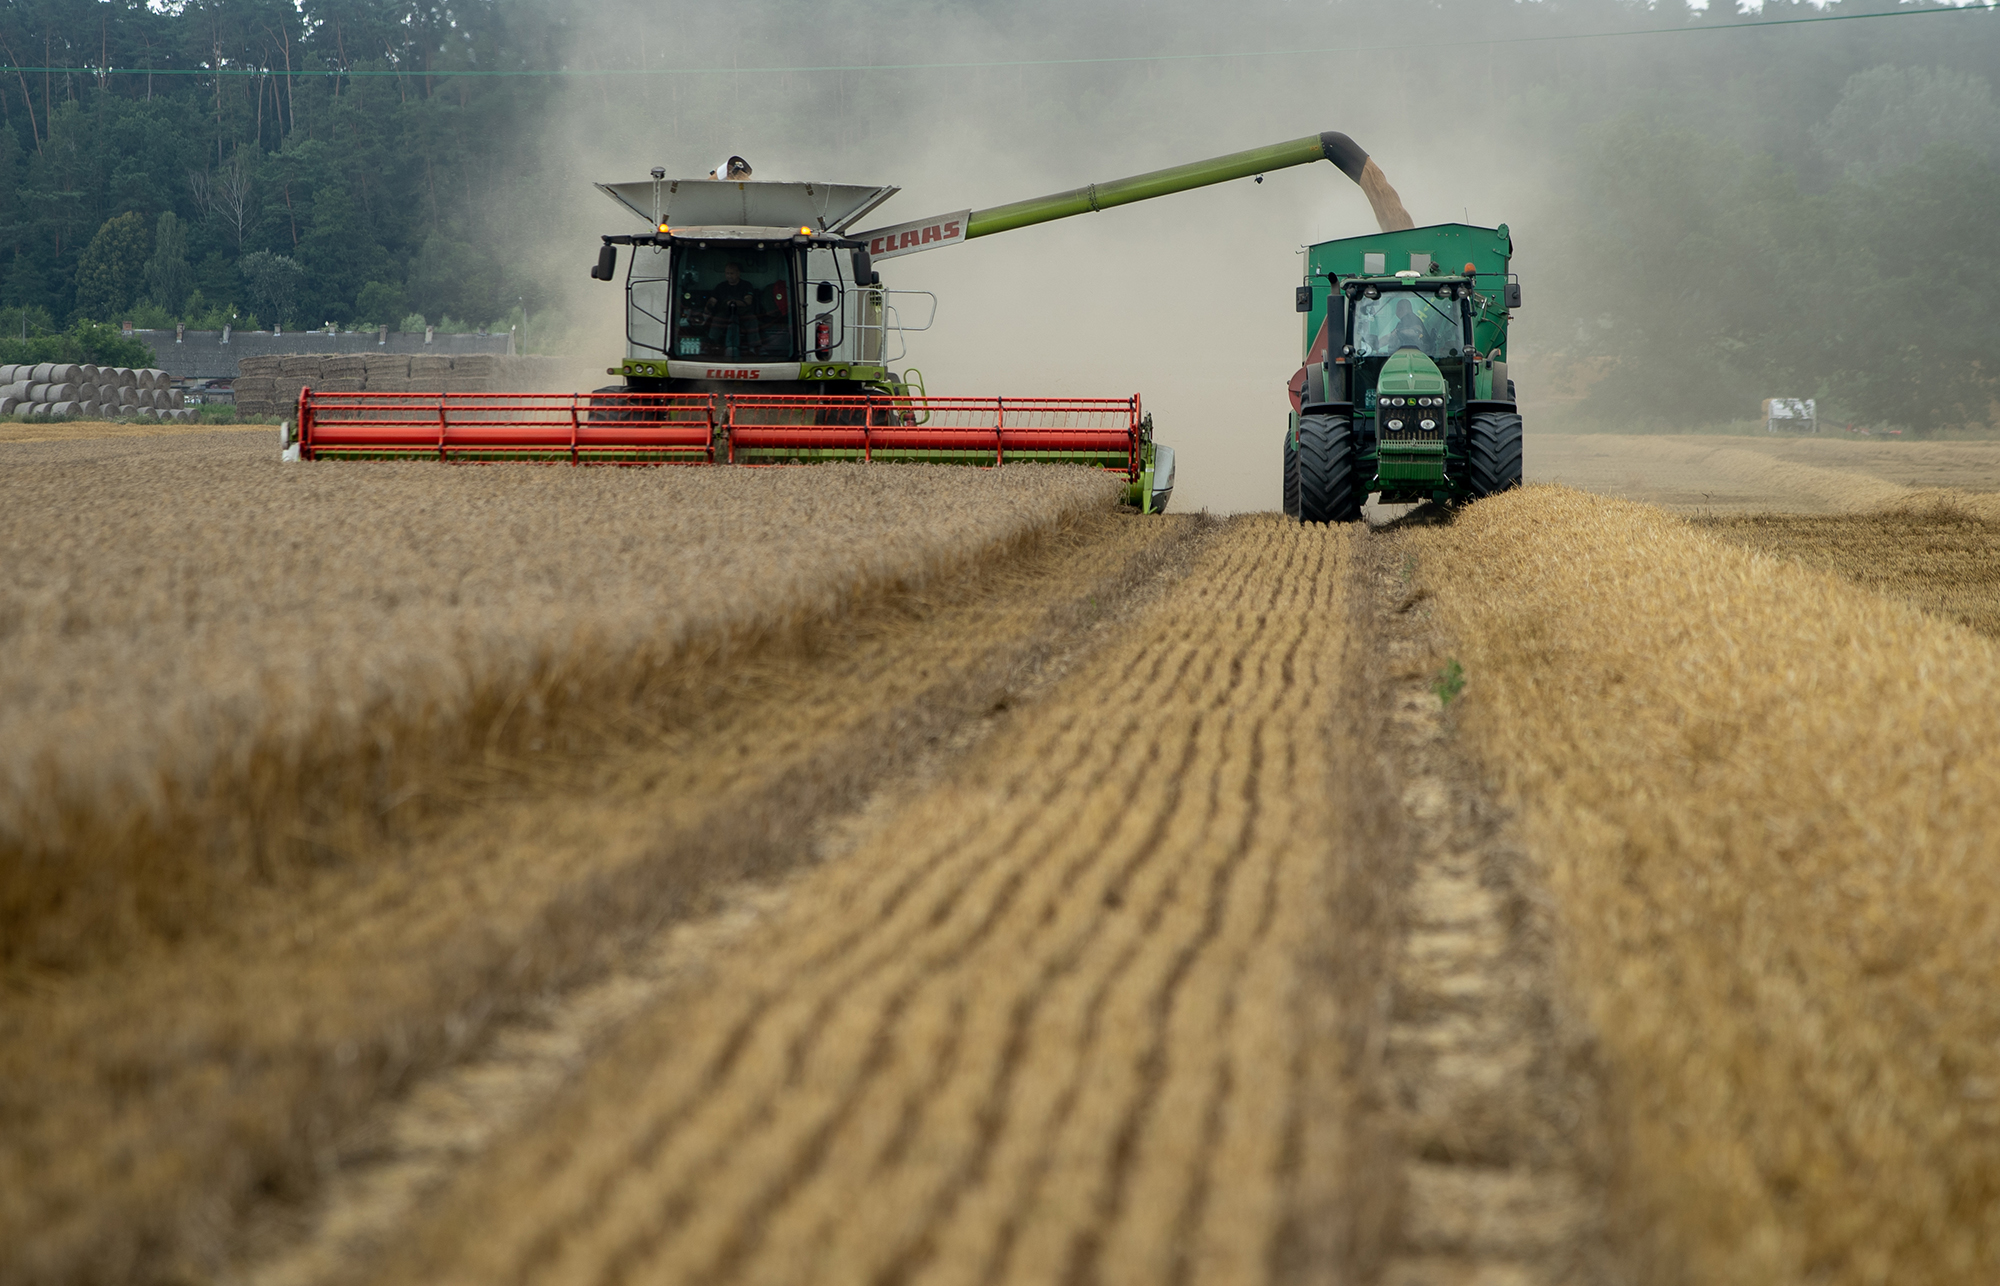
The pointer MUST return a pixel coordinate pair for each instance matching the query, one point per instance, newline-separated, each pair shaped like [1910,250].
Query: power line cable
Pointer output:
[1977,6]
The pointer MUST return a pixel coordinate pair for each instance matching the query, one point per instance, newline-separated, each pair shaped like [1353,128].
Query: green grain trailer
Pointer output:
[1404,389]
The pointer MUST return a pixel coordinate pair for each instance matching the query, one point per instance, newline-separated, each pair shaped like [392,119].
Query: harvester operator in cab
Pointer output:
[732,311]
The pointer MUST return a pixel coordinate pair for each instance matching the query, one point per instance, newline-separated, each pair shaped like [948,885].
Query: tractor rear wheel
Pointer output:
[1328,464]
[1493,452]
[1291,477]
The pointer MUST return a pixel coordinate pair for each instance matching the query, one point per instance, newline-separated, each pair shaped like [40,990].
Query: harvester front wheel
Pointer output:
[1493,452]
[1329,488]
[609,408]
[1291,477]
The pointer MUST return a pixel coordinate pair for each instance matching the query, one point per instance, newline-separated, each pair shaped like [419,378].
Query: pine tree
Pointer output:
[168,276]
[108,275]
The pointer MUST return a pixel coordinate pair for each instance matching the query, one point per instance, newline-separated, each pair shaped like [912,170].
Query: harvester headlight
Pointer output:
[1373,292]
[1444,292]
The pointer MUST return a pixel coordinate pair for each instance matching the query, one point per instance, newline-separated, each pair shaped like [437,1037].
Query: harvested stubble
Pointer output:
[1063,1017]
[1764,800]
[1937,550]
[1710,475]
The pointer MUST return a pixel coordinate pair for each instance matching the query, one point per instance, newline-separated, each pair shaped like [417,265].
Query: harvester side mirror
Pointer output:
[1513,294]
[863,272]
[825,294]
[607,263]
[1302,299]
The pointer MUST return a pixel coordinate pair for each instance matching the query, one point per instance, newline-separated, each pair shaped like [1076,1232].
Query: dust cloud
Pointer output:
[1479,111]
[1185,300]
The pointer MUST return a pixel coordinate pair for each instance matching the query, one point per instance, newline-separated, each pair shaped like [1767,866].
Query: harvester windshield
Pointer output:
[731,303]
[1408,319]
[734,303]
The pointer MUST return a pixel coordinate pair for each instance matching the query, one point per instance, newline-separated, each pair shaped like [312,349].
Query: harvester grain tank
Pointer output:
[1404,390]
[758,330]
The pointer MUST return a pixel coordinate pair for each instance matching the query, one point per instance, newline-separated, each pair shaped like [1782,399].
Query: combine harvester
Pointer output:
[758,331]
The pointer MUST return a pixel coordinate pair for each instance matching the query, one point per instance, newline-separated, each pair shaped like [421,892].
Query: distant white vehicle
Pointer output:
[1790,415]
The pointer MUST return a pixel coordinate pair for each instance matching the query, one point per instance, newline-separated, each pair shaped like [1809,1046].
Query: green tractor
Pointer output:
[1404,390]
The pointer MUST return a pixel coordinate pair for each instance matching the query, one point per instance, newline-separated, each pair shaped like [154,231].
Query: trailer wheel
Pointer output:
[1493,452]
[1291,476]
[1329,491]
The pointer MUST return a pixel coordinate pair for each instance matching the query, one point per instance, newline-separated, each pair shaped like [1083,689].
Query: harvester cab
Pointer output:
[1404,390]
[739,281]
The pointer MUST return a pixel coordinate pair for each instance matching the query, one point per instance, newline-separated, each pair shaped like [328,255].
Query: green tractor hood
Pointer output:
[1409,371]
[1409,455]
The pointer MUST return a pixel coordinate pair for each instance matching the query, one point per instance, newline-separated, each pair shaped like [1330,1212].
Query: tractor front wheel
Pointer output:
[1291,477]
[1328,465]
[1493,452]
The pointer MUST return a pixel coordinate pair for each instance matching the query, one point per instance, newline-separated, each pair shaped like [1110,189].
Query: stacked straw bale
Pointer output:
[270,386]
[69,390]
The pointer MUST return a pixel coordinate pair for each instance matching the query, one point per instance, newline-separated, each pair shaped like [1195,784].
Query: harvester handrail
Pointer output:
[613,426]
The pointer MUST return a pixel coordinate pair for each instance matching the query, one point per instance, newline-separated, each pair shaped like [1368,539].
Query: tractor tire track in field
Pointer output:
[1504,1156]
[784,775]
[1061,1017]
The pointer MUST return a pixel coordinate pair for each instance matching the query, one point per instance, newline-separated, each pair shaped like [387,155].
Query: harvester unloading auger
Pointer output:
[758,331]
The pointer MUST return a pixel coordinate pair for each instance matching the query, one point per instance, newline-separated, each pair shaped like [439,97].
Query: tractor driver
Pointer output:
[1408,331]
[732,311]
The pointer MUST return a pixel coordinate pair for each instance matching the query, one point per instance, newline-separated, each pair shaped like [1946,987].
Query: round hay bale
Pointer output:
[63,373]
[127,411]
[64,392]
[36,392]
[86,410]
[63,409]
[7,404]
[176,399]
[7,376]
[41,373]
[86,373]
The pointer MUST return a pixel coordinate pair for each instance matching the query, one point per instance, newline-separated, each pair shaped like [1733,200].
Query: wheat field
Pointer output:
[1760,474]
[1763,801]
[214,663]
[1937,550]
[214,1048]
[1056,1020]
[1559,889]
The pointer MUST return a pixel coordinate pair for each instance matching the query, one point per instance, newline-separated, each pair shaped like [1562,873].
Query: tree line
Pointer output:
[257,160]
